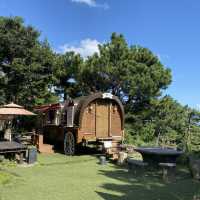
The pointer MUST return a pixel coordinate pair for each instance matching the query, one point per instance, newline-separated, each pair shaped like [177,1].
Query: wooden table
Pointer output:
[7,147]
[156,155]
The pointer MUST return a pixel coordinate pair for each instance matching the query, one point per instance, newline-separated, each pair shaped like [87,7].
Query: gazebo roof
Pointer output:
[14,109]
[11,105]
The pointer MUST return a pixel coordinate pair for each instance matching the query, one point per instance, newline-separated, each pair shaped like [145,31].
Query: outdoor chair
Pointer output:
[168,171]
[137,166]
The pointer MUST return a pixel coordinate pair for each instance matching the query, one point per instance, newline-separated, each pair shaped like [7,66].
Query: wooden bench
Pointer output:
[168,171]
[13,148]
[136,165]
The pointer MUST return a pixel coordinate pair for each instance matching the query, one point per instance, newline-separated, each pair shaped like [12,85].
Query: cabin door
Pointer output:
[102,119]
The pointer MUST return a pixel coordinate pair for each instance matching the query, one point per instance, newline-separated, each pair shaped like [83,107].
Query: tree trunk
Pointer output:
[158,138]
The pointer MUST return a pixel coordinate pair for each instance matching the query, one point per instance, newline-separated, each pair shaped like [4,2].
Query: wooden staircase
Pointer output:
[44,148]
[114,150]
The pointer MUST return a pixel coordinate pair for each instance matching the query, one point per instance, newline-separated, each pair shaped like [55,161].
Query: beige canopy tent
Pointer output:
[10,110]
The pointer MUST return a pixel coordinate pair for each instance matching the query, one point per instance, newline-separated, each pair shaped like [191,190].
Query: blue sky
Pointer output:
[171,29]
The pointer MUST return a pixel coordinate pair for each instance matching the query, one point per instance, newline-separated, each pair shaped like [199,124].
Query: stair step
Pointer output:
[44,148]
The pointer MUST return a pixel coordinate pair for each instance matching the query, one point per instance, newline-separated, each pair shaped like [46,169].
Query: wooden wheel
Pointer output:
[69,143]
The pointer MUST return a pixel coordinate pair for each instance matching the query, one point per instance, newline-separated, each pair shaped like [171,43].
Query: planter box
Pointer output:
[32,155]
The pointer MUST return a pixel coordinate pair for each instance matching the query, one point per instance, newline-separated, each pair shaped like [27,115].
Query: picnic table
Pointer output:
[7,147]
[156,155]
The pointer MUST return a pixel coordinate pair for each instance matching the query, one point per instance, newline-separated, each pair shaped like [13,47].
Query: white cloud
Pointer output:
[92,3]
[85,48]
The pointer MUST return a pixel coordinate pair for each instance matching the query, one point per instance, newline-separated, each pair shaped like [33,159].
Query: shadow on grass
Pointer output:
[67,162]
[84,155]
[148,186]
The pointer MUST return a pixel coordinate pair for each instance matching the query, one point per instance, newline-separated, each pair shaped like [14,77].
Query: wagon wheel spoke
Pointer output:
[69,144]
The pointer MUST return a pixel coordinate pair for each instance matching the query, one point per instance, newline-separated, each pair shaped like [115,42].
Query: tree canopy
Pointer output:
[26,64]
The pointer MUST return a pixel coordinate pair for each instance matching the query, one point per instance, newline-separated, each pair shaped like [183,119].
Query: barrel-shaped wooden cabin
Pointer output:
[98,117]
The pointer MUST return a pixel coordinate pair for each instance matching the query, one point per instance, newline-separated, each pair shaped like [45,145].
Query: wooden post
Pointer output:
[109,118]
[21,156]
[95,119]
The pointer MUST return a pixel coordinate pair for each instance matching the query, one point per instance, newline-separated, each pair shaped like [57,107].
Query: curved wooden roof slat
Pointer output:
[85,101]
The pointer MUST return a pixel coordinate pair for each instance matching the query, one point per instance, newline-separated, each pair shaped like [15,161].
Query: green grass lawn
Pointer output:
[57,177]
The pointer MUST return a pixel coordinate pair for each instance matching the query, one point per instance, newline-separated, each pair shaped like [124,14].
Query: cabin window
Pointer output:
[90,109]
[64,117]
[53,117]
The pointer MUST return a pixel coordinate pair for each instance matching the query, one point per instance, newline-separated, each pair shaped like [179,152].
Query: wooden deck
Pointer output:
[11,147]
